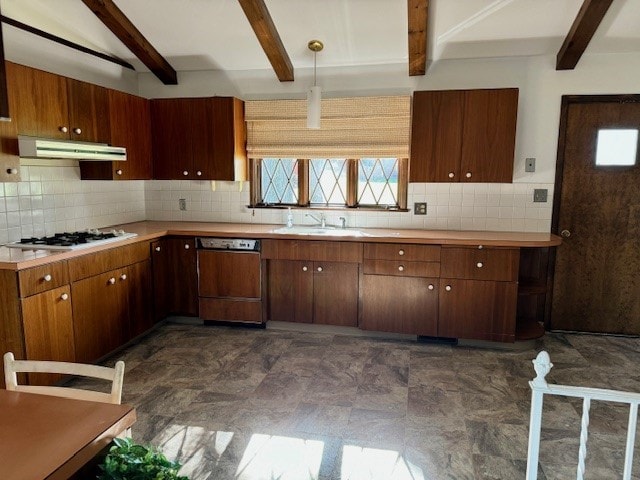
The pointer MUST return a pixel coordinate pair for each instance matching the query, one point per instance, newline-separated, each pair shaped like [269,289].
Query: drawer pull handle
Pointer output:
[64,296]
[305,268]
[123,276]
[77,131]
[480,247]
[430,287]
[187,246]
[158,249]
[401,268]
[451,174]
[448,288]
[119,172]
[12,171]
[185,173]
[319,269]
[199,173]
[479,264]
[111,281]
[47,278]
[63,129]
[468,175]
[401,252]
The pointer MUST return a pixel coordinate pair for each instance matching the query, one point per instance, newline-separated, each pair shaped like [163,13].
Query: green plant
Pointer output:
[127,460]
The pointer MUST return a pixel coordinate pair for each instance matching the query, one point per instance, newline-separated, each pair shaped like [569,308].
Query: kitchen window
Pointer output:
[357,159]
[330,182]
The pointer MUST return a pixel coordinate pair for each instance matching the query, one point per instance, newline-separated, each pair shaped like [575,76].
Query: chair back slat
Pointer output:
[631,438]
[584,434]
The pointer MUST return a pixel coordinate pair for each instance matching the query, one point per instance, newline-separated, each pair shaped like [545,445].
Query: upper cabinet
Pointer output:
[463,135]
[130,127]
[52,106]
[199,139]
[9,160]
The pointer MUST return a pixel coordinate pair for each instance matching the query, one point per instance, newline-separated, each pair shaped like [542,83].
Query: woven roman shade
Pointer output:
[350,128]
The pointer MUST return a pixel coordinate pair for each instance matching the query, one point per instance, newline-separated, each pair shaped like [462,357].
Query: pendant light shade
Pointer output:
[314,94]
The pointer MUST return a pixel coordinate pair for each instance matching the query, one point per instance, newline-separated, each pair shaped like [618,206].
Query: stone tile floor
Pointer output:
[262,405]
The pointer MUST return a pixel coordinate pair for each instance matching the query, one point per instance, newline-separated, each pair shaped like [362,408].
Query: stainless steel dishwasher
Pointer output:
[229,280]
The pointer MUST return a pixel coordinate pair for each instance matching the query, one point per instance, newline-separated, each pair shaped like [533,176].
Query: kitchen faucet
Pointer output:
[322,221]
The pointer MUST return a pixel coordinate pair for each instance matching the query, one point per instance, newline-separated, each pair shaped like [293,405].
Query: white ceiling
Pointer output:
[215,34]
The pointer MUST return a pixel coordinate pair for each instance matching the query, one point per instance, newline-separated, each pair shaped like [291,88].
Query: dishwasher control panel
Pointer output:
[211,243]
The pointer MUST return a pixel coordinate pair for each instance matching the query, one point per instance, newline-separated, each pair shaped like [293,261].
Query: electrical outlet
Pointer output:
[420,208]
[540,195]
[182,204]
[530,165]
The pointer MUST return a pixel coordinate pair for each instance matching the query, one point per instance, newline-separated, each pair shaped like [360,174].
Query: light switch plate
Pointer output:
[540,195]
[420,208]
[530,165]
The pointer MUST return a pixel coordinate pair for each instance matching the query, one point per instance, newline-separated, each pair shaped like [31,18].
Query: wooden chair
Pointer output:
[114,375]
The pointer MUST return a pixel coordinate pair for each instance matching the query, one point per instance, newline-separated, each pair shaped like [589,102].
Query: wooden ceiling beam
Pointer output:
[584,26]
[418,25]
[264,28]
[116,21]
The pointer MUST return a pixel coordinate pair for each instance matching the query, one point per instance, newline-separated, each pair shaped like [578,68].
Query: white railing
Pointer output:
[539,387]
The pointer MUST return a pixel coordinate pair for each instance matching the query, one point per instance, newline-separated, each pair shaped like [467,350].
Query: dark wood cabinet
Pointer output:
[9,159]
[175,277]
[198,139]
[463,135]
[480,310]
[290,290]
[139,293]
[130,127]
[48,330]
[88,112]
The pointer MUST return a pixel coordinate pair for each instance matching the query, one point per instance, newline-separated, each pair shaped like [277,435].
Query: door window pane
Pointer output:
[617,147]
[328,181]
[378,182]
[279,180]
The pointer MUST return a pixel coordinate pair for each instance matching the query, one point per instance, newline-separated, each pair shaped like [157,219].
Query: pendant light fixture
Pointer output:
[314,94]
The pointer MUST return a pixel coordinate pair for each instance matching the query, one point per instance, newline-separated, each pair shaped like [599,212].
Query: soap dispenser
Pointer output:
[289,218]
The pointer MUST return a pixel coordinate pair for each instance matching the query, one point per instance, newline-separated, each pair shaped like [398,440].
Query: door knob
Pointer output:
[565,233]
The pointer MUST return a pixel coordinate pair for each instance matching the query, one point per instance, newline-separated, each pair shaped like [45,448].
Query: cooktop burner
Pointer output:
[71,240]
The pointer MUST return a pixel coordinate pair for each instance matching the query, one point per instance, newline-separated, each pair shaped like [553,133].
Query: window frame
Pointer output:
[255,179]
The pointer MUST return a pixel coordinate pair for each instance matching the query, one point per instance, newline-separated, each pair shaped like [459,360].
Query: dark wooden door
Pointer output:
[229,274]
[48,330]
[139,298]
[597,267]
[88,112]
[290,290]
[171,138]
[335,293]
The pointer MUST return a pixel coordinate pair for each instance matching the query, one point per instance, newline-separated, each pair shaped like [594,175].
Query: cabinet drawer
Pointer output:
[231,310]
[500,264]
[95,263]
[40,279]
[312,250]
[401,268]
[400,251]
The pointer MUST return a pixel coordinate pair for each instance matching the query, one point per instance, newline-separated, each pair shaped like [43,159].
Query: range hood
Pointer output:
[32,147]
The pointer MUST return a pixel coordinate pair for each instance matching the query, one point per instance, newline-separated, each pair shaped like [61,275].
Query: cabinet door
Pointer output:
[139,298]
[100,316]
[9,159]
[290,290]
[229,160]
[436,136]
[130,120]
[48,330]
[88,112]
[400,304]
[171,125]
[335,293]
[489,135]
[175,277]
[479,310]
[41,100]
[229,274]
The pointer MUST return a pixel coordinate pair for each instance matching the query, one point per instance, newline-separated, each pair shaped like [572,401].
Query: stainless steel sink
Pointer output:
[324,231]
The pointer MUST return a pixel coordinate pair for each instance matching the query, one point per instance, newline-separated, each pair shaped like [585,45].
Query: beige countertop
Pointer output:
[17,259]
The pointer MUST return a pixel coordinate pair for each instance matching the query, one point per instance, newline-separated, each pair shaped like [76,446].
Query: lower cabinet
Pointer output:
[48,330]
[400,304]
[475,309]
[175,277]
[313,292]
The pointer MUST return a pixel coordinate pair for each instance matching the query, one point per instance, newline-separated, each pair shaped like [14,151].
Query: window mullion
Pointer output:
[352,182]
[403,182]
[303,182]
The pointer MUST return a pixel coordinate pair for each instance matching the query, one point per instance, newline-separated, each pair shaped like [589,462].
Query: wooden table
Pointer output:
[44,437]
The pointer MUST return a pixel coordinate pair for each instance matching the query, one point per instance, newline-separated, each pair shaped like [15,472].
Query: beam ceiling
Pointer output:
[418,21]
[264,28]
[116,21]
[584,26]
